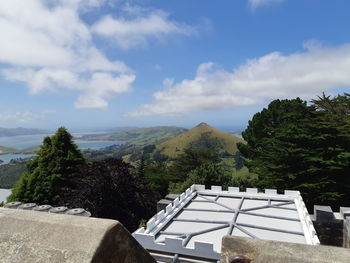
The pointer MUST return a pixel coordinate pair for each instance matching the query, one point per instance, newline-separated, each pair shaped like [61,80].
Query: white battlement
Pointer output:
[200,215]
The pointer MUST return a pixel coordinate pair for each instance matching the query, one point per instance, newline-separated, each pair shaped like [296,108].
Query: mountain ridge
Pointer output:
[7,132]
[140,136]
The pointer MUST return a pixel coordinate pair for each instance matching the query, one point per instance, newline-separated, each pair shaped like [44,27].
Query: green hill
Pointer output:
[29,150]
[201,134]
[5,132]
[139,136]
[4,150]
[145,136]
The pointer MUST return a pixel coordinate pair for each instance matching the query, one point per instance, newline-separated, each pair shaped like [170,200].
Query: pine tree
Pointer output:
[56,161]
[291,145]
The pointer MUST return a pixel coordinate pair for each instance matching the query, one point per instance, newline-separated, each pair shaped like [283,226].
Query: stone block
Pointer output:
[323,213]
[344,212]
[28,236]
[162,204]
[265,251]
[346,233]
[171,197]
[330,232]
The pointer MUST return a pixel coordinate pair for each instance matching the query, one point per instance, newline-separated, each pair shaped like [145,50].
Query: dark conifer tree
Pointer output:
[56,161]
[291,145]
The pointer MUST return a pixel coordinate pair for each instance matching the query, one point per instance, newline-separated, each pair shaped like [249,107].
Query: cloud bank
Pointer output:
[46,44]
[24,117]
[256,82]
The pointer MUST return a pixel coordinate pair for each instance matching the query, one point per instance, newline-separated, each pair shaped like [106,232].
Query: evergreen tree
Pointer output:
[196,166]
[191,159]
[56,161]
[141,165]
[339,105]
[239,161]
[157,177]
[291,145]
[109,189]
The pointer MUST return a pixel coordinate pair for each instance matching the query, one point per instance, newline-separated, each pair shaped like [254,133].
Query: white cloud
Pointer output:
[130,33]
[257,81]
[24,117]
[46,44]
[258,3]
[111,85]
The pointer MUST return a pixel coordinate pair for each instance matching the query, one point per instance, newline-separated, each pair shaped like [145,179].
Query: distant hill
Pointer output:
[5,132]
[119,129]
[201,134]
[4,150]
[140,136]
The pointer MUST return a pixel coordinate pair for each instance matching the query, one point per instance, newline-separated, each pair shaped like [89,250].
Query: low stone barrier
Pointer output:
[31,236]
[245,250]
[48,208]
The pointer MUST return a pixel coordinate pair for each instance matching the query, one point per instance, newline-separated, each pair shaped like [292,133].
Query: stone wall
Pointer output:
[347,233]
[48,208]
[32,236]
[162,204]
[331,227]
[245,250]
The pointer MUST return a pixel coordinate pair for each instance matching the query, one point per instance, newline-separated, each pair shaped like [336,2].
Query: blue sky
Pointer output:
[93,64]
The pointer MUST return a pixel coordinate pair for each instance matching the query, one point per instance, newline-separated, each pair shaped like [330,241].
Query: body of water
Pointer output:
[6,158]
[4,193]
[26,141]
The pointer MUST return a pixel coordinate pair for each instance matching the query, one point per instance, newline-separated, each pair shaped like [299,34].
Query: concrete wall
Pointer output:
[162,204]
[329,228]
[332,228]
[245,250]
[32,236]
[347,233]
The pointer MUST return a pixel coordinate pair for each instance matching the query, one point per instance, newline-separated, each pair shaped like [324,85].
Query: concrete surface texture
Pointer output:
[347,233]
[263,251]
[31,236]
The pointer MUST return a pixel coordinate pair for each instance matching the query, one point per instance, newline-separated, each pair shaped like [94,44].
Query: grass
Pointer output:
[146,136]
[174,146]
[7,150]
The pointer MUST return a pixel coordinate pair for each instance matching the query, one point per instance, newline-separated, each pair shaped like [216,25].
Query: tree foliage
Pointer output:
[56,161]
[157,177]
[207,174]
[339,105]
[291,145]
[10,173]
[109,189]
[191,159]
[197,166]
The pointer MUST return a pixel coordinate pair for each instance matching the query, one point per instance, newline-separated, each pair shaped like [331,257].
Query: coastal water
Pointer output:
[26,141]
[4,193]
[6,158]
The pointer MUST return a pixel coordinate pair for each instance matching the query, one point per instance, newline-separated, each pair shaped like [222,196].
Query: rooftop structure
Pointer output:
[195,223]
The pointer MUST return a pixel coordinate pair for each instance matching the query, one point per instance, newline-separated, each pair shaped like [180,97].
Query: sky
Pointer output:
[94,64]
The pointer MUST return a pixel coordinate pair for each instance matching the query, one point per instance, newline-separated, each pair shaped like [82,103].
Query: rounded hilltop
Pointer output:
[202,131]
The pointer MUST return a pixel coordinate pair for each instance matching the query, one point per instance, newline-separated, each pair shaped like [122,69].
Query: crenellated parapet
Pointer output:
[194,223]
